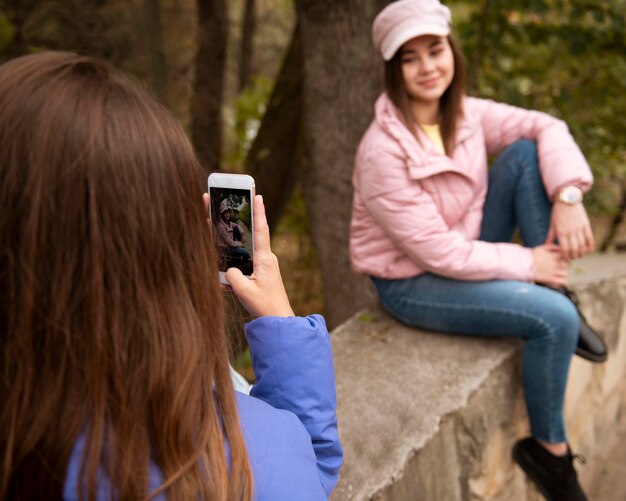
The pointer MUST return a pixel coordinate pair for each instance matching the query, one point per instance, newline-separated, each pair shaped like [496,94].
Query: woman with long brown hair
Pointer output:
[114,362]
[432,225]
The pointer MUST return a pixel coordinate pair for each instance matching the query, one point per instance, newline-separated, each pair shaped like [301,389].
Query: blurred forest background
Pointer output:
[283,90]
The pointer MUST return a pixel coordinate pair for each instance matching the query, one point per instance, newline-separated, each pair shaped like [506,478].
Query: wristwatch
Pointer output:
[570,195]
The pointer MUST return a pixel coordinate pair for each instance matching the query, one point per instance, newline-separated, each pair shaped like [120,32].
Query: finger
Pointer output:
[561,262]
[591,244]
[261,228]
[562,266]
[564,246]
[552,248]
[573,247]
[582,244]
[551,235]
[560,272]
[572,240]
[238,282]
[206,200]
[558,265]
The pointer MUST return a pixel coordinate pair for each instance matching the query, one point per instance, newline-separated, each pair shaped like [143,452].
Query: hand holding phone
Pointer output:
[264,293]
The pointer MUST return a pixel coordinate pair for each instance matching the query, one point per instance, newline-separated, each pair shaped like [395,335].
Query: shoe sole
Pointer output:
[590,356]
[521,461]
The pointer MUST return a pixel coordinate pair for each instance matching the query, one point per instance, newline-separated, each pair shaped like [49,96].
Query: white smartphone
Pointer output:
[232,216]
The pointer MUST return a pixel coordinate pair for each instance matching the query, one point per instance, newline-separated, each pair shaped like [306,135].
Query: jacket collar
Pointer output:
[423,159]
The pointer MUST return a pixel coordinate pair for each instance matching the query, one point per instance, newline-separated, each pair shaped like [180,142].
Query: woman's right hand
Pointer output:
[263,294]
[550,267]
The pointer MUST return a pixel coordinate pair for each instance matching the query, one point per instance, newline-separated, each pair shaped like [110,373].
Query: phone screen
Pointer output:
[231,216]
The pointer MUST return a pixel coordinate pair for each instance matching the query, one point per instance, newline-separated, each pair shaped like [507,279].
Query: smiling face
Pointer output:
[427,68]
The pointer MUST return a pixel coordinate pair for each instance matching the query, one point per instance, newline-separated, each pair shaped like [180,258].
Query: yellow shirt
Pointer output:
[434,134]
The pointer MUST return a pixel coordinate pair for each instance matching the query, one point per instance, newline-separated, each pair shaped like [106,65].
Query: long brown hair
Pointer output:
[450,102]
[111,319]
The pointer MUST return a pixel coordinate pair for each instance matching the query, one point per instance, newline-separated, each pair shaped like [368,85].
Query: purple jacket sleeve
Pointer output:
[292,360]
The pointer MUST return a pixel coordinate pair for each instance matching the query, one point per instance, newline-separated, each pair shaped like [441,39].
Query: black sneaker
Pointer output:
[554,476]
[590,345]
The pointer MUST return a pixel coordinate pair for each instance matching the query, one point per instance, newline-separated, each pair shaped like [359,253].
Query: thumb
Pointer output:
[551,247]
[237,280]
[551,235]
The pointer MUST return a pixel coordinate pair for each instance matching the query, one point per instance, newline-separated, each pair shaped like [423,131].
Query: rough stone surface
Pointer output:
[607,474]
[433,416]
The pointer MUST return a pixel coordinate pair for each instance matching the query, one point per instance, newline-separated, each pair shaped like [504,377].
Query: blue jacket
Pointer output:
[288,422]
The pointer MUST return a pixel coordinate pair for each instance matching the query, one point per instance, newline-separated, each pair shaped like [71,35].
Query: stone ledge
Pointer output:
[433,417]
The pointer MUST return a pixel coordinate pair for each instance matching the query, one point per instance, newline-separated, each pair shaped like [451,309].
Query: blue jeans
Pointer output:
[546,320]
[237,252]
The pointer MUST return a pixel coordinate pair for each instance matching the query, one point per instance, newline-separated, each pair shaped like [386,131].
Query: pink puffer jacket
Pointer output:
[417,210]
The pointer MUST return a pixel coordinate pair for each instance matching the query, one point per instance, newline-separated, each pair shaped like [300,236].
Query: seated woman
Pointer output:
[230,235]
[450,266]
[114,362]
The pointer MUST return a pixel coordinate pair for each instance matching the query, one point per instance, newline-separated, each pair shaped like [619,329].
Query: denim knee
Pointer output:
[564,323]
[526,150]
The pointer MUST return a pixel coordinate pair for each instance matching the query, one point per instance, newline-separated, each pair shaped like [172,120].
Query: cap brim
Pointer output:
[409,33]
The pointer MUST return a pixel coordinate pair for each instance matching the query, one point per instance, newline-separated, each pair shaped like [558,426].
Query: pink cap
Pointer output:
[403,20]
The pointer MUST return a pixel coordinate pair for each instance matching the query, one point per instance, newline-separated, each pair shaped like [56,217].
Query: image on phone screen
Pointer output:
[231,216]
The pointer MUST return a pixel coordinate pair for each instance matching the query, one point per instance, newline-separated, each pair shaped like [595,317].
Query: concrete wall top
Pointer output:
[396,384]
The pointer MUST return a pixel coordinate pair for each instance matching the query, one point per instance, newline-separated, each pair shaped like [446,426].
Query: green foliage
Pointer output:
[249,110]
[233,201]
[243,364]
[243,359]
[7,31]
[368,318]
[244,110]
[240,207]
[245,215]
[564,57]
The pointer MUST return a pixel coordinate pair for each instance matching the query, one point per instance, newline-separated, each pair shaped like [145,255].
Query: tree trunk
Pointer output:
[342,78]
[273,158]
[247,37]
[158,64]
[206,105]
[17,11]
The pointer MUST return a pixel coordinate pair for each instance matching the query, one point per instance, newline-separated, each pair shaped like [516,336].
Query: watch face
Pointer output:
[571,195]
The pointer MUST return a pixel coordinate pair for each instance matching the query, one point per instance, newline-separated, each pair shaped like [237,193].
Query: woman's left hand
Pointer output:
[570,225]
